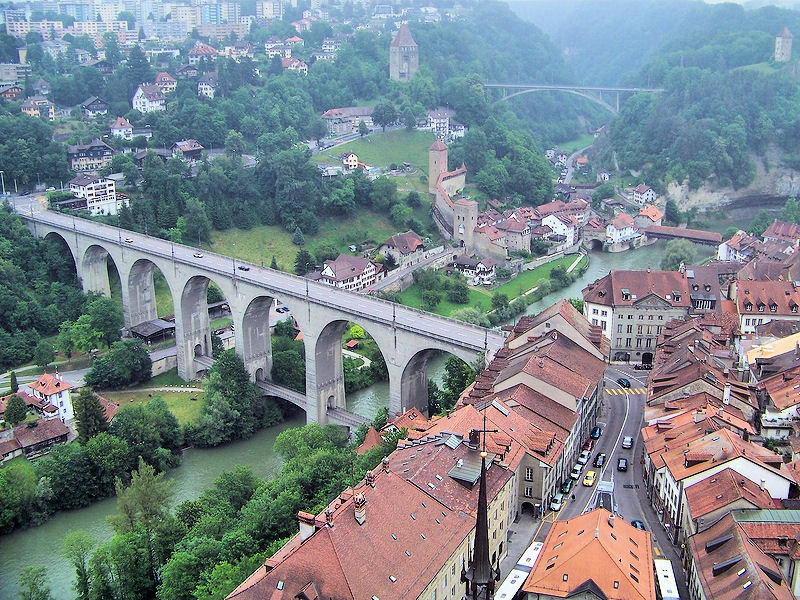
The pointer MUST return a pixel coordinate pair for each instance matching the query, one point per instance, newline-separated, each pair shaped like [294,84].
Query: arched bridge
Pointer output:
[406,337]
[593,93]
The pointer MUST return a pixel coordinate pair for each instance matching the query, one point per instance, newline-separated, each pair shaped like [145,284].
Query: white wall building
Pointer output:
[100,194]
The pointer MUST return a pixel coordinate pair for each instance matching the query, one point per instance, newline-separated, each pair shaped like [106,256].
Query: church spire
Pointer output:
[480,576]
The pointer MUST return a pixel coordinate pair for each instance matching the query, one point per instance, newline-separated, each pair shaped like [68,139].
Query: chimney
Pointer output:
[360,505]
[761,485]
[385,465]
[371,478]
[726,395]
[611,520]
[555,335]
[329,516]
[474,438]
[307,527]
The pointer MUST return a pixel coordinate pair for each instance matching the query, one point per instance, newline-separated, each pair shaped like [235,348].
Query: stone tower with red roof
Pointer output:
[437,164]
[403,56]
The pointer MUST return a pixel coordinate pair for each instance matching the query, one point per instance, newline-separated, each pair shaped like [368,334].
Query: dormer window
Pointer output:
[760,307]
[773,308]
[748,307]
[626,294]
[794,308]
[676,296]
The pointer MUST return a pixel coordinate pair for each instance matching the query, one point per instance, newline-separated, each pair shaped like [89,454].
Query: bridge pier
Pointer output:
[93,271]
[253,342]
[138,293]
[192,334]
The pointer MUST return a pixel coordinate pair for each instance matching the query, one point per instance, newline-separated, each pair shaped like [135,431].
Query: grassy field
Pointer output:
[529,279]
[478,297]
[576,144]
[184,405]
[260,244]
[163,380]
[163,297]
[383,149]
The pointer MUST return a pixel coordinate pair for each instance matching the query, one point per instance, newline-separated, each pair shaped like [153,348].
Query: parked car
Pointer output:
[557,502]
[566,487]
[243,268]
[589,478]
[626,383]
[622,464]
[282,309]
[599,460]
[198,254]
[128,240]
[584,457]
[596,431]
[588,444]
[627,442]
[575,473]
[638,524]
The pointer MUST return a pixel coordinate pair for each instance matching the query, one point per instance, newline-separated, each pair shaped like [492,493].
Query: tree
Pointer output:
[129,17]
[16,409]
[234,144]
[274,263]
[457,376]
[318,130]
[431,299]
[362,128]
[106,317]
[603,191]
[13,382]
[577,303]
[43,354]
[126,363]
[458,293]
[76,549]
[33,585]
[790,213]
[298,239]
[413,199]
[84,334]
[678,252]
[111,48]
[499,302]
[384,114]
[672,215]
[90,415]
[65,342]
[303,262]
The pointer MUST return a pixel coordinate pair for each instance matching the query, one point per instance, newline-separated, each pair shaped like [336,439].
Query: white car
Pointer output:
[557,502]
[575,473]
[627,442]
[584,457]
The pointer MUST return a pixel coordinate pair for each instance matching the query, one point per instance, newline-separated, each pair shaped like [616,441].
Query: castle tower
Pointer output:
[465,218]
[403,56]
[437,164]
[783,46]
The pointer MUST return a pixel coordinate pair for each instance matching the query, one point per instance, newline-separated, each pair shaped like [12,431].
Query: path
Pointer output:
[367,362]
[571,162]
[575,263]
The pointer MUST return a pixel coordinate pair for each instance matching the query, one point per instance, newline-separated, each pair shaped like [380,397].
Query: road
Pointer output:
[621,414]
[278,283]
[393,276]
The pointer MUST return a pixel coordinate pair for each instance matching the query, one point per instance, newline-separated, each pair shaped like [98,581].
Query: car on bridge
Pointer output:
[557,502]
[596,431]
[198,254]
[622,464]
[566,487]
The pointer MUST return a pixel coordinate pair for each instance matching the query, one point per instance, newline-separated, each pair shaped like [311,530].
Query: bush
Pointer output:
[126,363]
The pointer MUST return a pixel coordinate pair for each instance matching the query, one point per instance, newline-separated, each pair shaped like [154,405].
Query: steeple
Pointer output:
[481,575]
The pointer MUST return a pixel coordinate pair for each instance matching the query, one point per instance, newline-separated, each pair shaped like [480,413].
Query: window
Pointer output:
[639,329]
[794,308]
[638,342]
[619,341]
[649,317]
[629,328]
[528,473]
[619,328]
[444,581]
[628,342]
[453,569]
[748,306]
[594,311]
[529,492]
[660,317]
[641,317]
[773,308]
[649,330]
[604,313]
[649,343]
[603,325]
[760,308]
[630,317]
[594,321]
[747,321]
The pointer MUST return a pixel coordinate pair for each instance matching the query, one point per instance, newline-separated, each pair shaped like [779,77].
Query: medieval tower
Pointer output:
[437,164]
[783,46]
[403,56]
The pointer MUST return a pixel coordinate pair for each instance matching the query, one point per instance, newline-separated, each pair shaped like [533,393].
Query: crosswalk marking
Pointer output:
[621,391]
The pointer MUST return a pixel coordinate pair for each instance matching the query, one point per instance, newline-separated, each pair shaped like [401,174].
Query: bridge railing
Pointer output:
[165,249]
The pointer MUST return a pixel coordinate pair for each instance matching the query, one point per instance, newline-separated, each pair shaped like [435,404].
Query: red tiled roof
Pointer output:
[405,243]
[371,440]
[608,290]
[789,232]
[782,295]
[46,429]
[202,50]
[47,385]
[651,212]
[723,489]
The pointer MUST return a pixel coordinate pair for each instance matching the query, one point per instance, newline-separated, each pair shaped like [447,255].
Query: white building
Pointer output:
[621,229]
[100,194]
[56,392]
[563,225]
[350,272]
[643,194]
[122,128]
[148,98]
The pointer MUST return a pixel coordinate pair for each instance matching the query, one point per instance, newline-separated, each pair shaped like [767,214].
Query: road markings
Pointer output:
[657,551]
[622,391]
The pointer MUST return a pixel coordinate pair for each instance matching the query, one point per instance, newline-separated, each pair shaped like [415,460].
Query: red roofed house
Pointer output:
[346,119]
[41,437]
[350,272]
[405,248]
[594,555]
[202,53]
[621,229]
[648,215]
[779,231]
[49,389]
[190,150]
[148,98]
[633,306]
[294,64]
[741,247]
[122,128]
[759,302]
[166,82]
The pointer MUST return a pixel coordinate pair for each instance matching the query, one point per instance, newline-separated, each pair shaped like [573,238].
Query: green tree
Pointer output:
[577,303]
[413,199]
[678,252]
[790,213]
[384,114]
[13,382]
[298,239]
[603,191]
[106,317]
[672,215]
[499,302]
[65,342]
[16,410]
[362,128]
[90,415]
[84,334]
[303,262]
[458,292]
[33,584]
[76,548]
[381,418]
[431,299]
[274,263]
[457,376]
[126,363]
[43,354]
[234,144]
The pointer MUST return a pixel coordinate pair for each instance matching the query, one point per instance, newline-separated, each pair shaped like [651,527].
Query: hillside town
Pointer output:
[638,440]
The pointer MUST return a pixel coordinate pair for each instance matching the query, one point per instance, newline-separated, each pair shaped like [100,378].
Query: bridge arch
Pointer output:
[94,269]
[139,300]
[58,240]
[595,99]
[413,378]
[192,325]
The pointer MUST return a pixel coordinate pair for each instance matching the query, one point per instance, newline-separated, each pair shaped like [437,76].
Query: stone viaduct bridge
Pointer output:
[408,338]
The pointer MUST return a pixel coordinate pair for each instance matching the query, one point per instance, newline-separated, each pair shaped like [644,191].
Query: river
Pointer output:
[41,545]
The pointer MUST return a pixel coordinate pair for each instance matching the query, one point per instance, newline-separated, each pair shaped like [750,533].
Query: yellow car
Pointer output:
[588,479]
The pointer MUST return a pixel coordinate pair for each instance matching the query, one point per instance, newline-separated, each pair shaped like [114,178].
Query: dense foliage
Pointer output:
[126,363]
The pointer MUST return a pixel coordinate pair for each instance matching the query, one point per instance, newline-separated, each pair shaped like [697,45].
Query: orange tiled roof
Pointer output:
[723,489]
[47,385]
